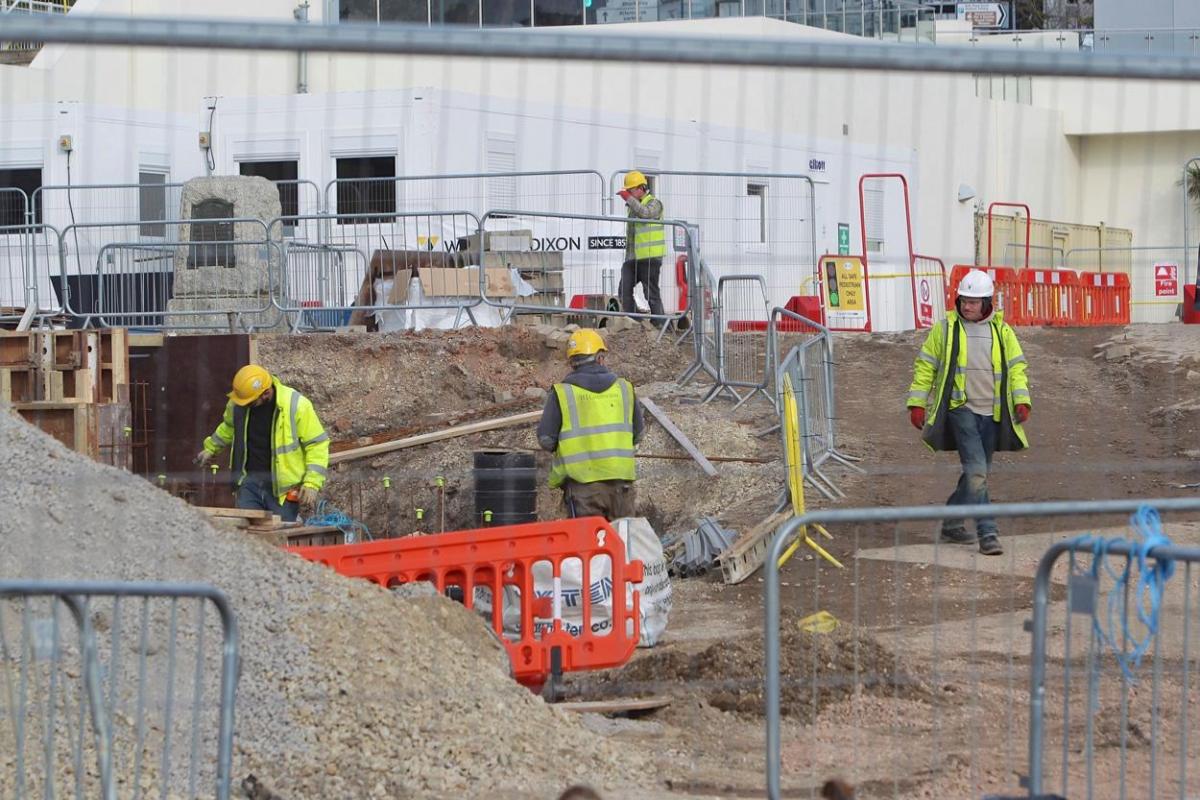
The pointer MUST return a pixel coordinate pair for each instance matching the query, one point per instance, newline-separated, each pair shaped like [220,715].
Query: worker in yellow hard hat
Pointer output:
[591,422]
[645,245]
[279,453]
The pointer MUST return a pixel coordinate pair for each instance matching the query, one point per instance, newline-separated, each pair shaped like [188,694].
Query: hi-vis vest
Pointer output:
[299,445]
[649,240]
[596,440]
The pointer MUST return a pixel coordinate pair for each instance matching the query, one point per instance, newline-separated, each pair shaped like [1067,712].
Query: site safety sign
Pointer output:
[1166,280]
[844,290]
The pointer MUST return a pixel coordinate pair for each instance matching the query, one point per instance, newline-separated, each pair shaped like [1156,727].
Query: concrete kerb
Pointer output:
[788,530]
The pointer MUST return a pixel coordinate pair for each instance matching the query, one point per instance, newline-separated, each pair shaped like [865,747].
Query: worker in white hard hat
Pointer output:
[981,408]
[645,245]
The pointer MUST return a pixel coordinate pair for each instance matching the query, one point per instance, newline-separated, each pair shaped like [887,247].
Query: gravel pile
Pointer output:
[345,691]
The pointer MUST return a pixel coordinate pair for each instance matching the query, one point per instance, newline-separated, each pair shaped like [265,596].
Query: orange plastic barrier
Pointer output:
[1010,292]
[1052,297]
[1106,297]
[503,557]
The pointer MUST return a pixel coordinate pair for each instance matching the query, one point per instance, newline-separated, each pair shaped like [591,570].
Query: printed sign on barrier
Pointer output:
[1166,280]
[924,307]
[843,288]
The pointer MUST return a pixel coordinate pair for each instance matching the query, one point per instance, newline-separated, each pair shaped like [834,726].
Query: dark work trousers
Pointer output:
[256,492]
[608,499]
[644,271]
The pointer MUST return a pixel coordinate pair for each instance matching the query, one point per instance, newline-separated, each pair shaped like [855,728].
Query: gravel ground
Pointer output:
[345,691]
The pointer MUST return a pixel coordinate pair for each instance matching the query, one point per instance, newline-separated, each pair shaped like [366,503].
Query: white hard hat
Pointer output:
[976,283]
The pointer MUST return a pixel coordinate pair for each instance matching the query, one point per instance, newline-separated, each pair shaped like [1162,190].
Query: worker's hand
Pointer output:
[1022,412]
[308,496]
[916,415]
[624,194]
[202,458]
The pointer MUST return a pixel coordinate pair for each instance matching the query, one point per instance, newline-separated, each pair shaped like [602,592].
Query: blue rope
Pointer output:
[328,514]
[1148,591]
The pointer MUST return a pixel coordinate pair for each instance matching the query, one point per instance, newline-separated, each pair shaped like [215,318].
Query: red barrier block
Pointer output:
[1052,297]
[503,557]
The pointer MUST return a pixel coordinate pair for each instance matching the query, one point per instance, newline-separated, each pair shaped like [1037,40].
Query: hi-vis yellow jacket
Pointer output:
[931,369]
[596,440]
[299,445]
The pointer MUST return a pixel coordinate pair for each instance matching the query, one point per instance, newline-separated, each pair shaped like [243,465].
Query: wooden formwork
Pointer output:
[74,385]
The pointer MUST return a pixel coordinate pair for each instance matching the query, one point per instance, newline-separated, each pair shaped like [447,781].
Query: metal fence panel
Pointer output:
[361,264]
[1087,697]
[114,689]
[562,191]
[220,281]
[919,632]
[743,352]
[753,222]
[1156,276]
[582,273]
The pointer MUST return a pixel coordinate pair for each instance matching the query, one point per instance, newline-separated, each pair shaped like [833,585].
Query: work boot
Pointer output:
[957,536]
[989,545]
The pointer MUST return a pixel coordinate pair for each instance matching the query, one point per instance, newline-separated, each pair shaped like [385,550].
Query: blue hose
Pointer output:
[328,515]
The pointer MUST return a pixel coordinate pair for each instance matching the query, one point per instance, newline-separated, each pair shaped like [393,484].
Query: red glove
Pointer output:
[624,194]
[1022,413]
[916,415]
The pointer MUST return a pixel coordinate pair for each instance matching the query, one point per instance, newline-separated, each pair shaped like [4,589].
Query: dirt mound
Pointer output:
[817,670]
[345,691]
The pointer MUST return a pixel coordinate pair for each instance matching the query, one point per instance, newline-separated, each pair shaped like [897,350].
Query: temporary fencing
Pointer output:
[904,298]
[808,367]
[1154,274]
[359,268]
[705,326]
[930,671]
[117,687]
[743,352]
[559,191]
[209,274]
[500,564]
[578,276]
[1126,622]
[760,223]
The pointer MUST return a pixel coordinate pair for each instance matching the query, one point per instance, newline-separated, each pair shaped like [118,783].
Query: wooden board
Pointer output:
[615,706]
[241,513]
[678,436]
[436,436]
[749,551]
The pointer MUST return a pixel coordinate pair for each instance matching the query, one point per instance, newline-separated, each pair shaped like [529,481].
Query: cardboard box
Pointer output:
[464,282]
[537,262]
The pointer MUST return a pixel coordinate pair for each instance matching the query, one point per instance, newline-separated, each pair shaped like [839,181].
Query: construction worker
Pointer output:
[591,422]
[978,411]
[645,245]
[280,452]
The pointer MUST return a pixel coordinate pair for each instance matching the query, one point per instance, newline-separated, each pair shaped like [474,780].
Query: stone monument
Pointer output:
[223,270]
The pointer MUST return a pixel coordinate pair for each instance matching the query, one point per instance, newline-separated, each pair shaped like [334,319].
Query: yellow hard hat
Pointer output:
[634,178]
[584,342]
[249,383]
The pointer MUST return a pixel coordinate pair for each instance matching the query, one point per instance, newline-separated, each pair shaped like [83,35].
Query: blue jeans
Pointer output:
[976,437]
[256,492]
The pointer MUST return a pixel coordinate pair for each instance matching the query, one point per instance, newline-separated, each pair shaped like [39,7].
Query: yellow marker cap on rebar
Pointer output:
[440,481]
[420,513]
[487,516]
[387,482]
